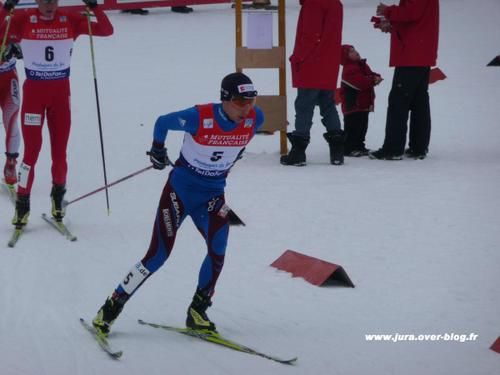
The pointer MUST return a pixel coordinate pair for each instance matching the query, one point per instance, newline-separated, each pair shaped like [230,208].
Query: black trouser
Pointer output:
[355,127]
[409,93]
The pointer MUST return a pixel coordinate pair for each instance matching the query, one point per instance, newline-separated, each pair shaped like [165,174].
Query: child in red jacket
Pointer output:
[357,97]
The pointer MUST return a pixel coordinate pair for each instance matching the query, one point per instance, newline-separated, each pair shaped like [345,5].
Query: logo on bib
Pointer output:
[208,123]
[33,119]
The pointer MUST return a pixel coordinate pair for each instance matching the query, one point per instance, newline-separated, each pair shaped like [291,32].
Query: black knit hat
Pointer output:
[237,85]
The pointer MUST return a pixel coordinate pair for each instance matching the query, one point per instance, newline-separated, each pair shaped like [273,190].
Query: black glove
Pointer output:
[12,50]
[10,4]
[89,3]
[158,156]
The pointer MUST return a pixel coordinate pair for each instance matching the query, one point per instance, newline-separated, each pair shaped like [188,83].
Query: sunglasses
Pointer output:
[241,101]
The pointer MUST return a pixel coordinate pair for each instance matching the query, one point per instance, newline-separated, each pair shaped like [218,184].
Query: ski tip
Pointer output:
[291,361]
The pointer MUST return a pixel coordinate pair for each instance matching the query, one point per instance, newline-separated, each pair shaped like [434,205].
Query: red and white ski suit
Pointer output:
[47,46]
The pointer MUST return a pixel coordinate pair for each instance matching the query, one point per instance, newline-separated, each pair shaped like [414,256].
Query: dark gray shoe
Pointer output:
[415,155]
[381,154]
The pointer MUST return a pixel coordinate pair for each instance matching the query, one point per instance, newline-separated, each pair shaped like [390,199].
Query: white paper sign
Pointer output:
[259,30]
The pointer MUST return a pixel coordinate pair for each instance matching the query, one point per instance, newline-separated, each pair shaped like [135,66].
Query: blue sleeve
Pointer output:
[186,120]
[259,118]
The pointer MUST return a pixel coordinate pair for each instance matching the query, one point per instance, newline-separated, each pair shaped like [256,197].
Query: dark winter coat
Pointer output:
[358,80]
[316,56]
[414,32]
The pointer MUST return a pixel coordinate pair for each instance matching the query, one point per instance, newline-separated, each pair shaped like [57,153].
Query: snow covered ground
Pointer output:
[418,238]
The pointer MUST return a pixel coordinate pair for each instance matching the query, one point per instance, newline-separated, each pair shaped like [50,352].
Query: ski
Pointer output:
[10,190]
[216,338]
[101,340]
[60,227]
[15,237]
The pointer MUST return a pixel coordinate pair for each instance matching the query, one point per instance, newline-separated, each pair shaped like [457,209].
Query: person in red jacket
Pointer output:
[358,98]
[315,66]
[47,34]
[414,29]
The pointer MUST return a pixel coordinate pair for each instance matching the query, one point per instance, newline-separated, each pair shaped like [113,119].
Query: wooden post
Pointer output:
[239,32]
[273,106]
[282,43]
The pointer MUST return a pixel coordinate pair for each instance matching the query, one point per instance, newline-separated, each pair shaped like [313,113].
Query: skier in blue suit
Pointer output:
[215,137]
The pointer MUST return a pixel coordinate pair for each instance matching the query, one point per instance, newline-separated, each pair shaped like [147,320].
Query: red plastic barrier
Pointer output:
[496,346]
[435,75]
[314,270]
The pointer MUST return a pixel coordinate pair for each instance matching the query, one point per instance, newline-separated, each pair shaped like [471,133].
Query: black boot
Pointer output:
[57,195]
[335,140]
[136,11]
[297,155]
[196,314]
[22,211]
[182,9]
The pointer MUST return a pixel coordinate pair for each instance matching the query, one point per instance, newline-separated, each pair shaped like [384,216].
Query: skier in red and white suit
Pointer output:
[46,36]
[9,103]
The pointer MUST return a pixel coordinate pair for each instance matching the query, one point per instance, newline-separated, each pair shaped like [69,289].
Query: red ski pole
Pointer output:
[66,203]
[232,217]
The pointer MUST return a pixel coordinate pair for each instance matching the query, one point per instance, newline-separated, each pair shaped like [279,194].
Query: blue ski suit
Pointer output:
[195,188]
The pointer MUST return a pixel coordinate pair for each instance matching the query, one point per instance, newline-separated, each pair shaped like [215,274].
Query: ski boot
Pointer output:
[22,211]
[57,195]
[107,315]
[196,314]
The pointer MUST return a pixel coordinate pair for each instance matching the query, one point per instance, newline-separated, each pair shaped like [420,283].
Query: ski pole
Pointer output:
[66,203]
[4,39]
[234,219]
[98,108]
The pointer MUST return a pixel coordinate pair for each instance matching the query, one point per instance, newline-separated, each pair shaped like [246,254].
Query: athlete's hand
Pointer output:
[90,3]
[158,156]
[10,4]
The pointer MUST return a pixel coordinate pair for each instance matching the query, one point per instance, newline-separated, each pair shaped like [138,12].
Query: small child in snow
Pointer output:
[357,97]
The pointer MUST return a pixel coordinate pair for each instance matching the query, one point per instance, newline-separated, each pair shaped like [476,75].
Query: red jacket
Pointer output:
[358,80]
[316,56]
[414,32]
